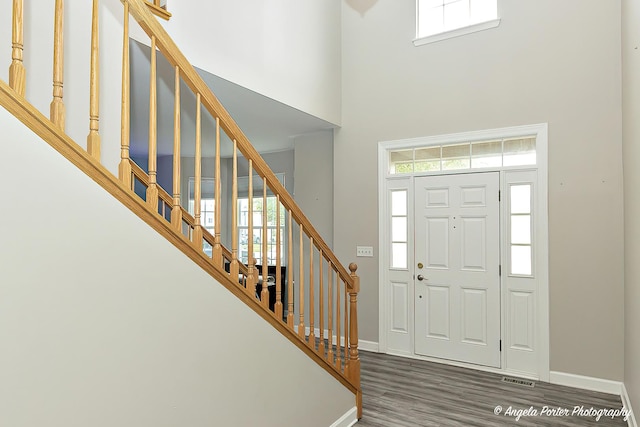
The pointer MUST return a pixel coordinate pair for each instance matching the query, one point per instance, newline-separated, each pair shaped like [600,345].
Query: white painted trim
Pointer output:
[626,402]
[368,346]
[542,241]
[469,29]
[349,419]
[542,238]
[383,251]
[586,383]
[471,136]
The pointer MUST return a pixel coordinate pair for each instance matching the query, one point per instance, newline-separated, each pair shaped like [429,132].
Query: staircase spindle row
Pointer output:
[310,287]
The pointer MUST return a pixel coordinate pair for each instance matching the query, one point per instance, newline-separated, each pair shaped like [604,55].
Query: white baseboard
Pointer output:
[368,346]
[626,402]
[348,419]
[586,383]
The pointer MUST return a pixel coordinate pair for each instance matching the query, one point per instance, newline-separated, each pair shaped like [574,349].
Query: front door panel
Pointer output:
[457,291]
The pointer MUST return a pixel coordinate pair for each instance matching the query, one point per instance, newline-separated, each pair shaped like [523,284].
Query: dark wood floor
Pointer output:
[401,392]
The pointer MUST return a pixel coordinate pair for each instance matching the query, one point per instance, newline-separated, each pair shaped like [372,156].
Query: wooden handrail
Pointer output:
[189,75]
[156,9]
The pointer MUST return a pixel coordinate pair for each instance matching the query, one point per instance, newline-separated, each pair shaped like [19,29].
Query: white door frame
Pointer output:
[387,181]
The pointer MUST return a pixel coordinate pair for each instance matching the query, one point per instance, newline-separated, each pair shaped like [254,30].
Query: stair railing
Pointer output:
[316,280]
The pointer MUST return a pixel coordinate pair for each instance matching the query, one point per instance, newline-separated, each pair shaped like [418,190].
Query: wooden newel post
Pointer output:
[354,360]
[17,73]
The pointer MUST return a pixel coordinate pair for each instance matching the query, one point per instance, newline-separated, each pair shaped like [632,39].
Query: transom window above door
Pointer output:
[464,155]
[453,18]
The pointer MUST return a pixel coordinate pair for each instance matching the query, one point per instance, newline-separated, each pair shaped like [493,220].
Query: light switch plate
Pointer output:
[364,251]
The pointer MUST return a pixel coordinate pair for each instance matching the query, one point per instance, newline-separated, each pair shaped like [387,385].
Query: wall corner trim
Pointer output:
[586,383]
[349,419]
[626,402]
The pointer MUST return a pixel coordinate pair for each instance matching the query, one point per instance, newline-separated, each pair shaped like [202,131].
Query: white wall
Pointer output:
[103,322]
[548,61]
[631,150]
[287,50]
[38,61]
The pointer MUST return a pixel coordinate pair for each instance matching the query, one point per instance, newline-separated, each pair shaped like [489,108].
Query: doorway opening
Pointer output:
[464,249]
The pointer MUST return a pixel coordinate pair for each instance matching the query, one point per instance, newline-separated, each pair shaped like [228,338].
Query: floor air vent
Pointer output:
[518,381]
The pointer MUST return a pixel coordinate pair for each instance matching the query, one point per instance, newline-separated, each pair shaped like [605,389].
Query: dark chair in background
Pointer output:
[270,279]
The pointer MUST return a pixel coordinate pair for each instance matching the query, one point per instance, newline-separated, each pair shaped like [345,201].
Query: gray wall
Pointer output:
[314,195]
[549,61]
[631,150]
[314,180]
[89,338]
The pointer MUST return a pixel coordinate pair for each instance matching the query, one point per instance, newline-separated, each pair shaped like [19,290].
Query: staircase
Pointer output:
[315,306]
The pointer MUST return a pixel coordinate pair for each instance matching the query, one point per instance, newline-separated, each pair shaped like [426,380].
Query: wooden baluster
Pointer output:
[57,110]
[124,168]
[264,297]
[346,329]
[93,140]
[17,73]
[312,335]
[176,209]
[278,306]
[251,279]
[152,189]
[290,274]
[354,359]
[234,267]
[330,313]
[197,188]
[321,305]
[217,243]
[338,343]
[301,331]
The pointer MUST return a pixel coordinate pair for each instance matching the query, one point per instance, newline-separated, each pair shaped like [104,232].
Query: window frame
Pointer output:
[455,32]
[257,230]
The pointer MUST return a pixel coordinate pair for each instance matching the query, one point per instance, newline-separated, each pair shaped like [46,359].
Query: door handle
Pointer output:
[420,277]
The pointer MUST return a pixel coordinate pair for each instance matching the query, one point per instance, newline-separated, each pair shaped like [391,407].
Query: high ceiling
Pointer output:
[269,124]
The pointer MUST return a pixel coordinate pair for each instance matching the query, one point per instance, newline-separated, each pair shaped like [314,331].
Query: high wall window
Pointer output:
[441,16]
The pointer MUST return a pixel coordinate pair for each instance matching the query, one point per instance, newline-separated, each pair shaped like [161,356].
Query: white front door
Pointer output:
[457,261]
